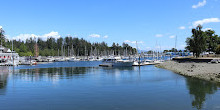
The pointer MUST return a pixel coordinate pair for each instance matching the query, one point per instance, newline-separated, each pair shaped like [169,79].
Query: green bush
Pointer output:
[218,49]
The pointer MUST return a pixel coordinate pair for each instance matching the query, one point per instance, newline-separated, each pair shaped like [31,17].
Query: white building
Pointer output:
[6,56]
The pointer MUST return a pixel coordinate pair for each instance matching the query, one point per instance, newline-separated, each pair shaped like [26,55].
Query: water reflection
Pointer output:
[199,90]
[54,71]
[119,73]
[117,70]
[51,72]
[66,72]
[3,79]
[142,84]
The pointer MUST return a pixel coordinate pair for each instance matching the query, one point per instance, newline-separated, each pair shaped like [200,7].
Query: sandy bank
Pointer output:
[210,72]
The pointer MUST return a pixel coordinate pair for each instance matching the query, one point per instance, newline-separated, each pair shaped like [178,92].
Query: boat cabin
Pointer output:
[6,54]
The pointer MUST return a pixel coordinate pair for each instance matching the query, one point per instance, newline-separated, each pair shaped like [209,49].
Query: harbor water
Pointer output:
[86,86]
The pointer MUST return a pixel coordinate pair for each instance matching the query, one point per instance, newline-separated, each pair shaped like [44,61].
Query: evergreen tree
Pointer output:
[197,42]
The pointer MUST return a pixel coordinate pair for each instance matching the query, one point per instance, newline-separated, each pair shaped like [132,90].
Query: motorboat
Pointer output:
[158,61]
[138,63]
[148,62]
[116,62]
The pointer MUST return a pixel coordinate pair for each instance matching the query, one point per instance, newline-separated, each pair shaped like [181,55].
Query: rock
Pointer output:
[210,72]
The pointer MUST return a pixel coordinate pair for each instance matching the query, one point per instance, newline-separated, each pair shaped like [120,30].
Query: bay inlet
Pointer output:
[84,85]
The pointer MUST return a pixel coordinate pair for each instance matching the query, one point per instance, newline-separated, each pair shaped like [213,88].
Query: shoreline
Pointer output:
[204,71]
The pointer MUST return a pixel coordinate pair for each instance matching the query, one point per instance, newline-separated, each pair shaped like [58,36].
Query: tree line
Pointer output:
[67,46]
[203,41]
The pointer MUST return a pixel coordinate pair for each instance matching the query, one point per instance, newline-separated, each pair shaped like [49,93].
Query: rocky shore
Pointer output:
[205,71]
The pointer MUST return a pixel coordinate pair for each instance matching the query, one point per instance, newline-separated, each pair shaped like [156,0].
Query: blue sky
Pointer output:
[152,23]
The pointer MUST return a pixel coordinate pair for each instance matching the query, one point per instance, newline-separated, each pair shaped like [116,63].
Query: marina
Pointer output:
[85,85]
[9,58]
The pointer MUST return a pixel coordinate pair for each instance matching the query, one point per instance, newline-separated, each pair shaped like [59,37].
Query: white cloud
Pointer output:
[51,34]
[98,36]
[133,42]
[173,36]
[206,29]
[200,4]
[206,21]
[182,27]
[128,41]
[95,35]
[106,36]
[159,35]
[23,37]
[0,27]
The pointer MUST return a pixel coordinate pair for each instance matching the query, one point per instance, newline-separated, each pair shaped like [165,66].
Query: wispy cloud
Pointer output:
[206,21]
[173,36]
[95,35]
[106,36]
[0,27]
[159,35]
[98,36]
[133,42]
[51,34]
[182,27]
[200,4]
[23,37]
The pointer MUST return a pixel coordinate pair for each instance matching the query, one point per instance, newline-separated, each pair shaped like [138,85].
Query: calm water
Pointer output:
[85,86]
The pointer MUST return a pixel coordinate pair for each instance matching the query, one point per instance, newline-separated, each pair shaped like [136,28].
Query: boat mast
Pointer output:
[175,41]
[68,51]
[136,48]
[91,53]
[36,48]
[175,45]
[12,53]
[72,53]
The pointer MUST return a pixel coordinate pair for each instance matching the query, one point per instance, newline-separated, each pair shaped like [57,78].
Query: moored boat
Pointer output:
[116,62]
[8,57]
[148,62]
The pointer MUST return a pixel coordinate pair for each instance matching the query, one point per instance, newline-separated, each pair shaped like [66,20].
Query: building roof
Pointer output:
[4,49]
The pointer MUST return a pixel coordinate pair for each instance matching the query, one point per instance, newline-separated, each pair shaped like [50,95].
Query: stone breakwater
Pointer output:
[205,71]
